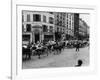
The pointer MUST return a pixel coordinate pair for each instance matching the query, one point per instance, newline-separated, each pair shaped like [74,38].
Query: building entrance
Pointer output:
[36,34]
[37,37]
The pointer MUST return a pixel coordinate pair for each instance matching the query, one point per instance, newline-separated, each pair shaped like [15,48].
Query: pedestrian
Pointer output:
[77,46]
[33,49]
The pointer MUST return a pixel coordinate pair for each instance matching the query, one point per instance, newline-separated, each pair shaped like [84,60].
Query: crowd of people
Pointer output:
[55,47]
[42,48]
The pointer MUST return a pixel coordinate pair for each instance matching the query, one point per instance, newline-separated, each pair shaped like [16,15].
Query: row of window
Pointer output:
[60,23]
[45,28]
[60,29]
[37,17]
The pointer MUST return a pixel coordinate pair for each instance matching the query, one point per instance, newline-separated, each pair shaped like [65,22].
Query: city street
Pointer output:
[68,58]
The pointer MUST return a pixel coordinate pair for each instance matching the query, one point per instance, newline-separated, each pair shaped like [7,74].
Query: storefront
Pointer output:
[48,36]
[26,38]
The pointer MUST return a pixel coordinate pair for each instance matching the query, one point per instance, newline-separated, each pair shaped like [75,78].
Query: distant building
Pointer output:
[37,26]
[83,29]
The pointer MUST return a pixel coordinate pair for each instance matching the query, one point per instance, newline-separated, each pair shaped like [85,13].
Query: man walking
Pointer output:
[77,46]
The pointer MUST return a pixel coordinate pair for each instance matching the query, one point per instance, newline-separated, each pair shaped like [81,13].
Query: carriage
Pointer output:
[26,52]
[41,49]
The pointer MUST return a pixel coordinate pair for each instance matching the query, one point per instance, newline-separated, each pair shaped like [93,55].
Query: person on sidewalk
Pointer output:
[77,46]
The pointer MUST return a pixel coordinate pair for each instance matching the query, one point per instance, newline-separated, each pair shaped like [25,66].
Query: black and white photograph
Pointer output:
[53,39]
[50,40]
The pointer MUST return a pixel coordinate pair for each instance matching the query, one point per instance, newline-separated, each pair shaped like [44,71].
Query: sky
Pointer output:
[86,18]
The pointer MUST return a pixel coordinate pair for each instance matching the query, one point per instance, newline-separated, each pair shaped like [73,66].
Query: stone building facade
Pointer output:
[37,26]
[69,25]
[83,29]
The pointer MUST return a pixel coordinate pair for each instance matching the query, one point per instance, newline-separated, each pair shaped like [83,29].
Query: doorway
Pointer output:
[37,37]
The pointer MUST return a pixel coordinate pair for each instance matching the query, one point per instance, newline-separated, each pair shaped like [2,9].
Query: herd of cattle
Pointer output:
[55,48]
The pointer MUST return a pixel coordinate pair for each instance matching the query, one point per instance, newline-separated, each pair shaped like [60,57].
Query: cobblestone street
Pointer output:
[68,58]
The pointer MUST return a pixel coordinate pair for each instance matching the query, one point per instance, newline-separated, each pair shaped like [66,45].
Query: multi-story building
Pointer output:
[37,26]
[59,21]
[59,24]
[43,26]
[83,29]
[64,23]
[69,25]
